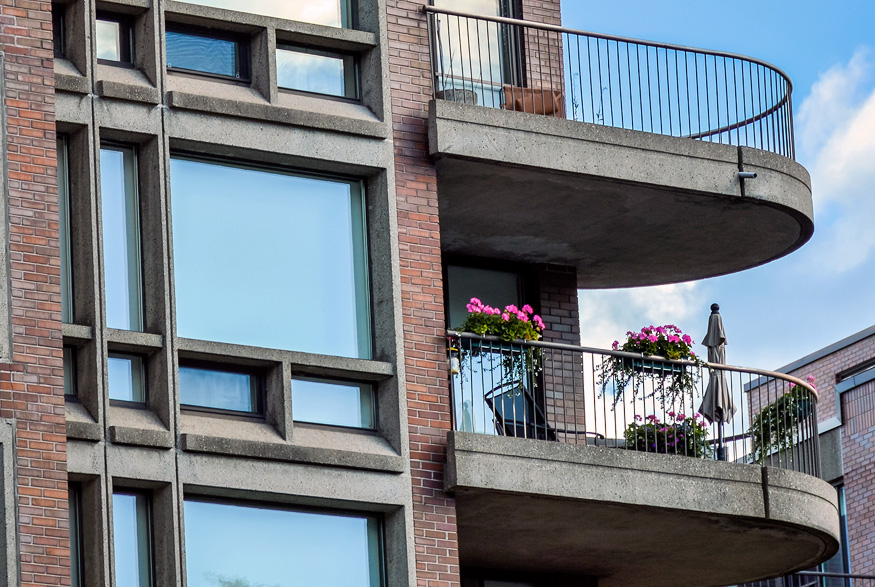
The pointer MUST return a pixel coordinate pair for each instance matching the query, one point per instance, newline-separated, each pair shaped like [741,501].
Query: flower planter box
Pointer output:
[657,368]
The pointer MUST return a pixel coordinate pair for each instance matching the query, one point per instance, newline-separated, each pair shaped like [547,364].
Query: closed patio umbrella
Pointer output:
[717,405]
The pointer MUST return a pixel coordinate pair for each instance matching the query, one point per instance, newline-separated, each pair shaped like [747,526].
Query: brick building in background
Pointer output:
[238,231]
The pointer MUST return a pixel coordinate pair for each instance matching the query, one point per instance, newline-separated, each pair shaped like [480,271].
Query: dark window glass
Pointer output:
[336,13]
[113,39]
[132,539]
[219,389]
[336,403]
[127,379]
[69,371]
[207,53]
[64,232]
[235,544]
[313,70]
[269,258]
[59,29]
[74,502]
[494,288]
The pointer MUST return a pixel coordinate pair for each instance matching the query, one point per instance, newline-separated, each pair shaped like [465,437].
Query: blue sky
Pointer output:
[823,292]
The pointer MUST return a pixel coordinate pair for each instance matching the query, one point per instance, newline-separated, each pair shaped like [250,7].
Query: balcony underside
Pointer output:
[631,519]
[627,208]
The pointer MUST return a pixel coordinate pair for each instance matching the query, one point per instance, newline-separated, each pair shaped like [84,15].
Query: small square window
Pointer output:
[69,372]
[114,39]
[127,379]
[132,539]
[335,403]
[207,52]
[59,29]
[219,389]
[317,71]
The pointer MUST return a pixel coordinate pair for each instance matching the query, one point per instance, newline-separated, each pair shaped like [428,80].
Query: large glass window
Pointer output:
[235,544]
[207,52]
[219,389]
[493,287]
[317,71]
[336,13]
[120,204]
[132,540]
[127,380]
[336,403]
[64,230]
[74,504]
[270,259]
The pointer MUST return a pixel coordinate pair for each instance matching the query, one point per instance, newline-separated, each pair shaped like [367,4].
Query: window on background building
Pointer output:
[219,389]
[317,71]
[335,403]
[261,545]
[120,217]
[126,377]
[59,31]
[69,372]
[74,504]
[132,539]
[64,232]
[114,39]
[493,287]
[193,50]
[269,258]
[336,13]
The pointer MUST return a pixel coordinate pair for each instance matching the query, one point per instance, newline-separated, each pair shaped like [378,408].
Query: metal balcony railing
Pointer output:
[600,397]
[614,81]
[817,579]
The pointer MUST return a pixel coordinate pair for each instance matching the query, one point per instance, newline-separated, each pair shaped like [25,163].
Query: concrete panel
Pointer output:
[544,507]
[595,197]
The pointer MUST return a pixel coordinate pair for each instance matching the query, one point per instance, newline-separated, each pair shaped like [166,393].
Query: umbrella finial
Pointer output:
[715,308]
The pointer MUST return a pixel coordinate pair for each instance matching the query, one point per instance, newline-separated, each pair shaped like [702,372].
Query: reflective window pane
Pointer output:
[127,381]
[59,28]
[494,288]
[109,40]
[269,259]
[69,372]
[119,206]
[229,544]
[74,503]
[203,53]
[322,72]
[131,540]
[336,13]
[333,402]
[64,233]
[221,390]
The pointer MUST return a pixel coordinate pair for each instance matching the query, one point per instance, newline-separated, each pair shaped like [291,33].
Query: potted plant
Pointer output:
[510,324]
[671,381]
[680,435]
[775,428]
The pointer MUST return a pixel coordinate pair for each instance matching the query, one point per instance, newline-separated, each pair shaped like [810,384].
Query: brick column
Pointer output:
[31,387]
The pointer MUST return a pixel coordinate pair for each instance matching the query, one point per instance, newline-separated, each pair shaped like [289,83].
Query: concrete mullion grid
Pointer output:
[31,388]
[434,520]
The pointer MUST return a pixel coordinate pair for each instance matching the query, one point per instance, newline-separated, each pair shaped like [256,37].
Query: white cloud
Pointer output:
[606,315]
[837,133]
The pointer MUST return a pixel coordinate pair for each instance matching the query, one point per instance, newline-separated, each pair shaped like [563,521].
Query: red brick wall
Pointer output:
[31,388]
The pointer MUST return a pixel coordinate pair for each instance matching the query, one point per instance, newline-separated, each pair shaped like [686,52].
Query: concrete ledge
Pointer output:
[594,502]
[71,83]
[291,453]
[80,425]
[140,437]
[307,118]
[77,333]
[581,174]
[130,340]
[132,93]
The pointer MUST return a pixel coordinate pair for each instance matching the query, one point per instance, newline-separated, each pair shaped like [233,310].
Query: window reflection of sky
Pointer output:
[333,402]
[262,547]
[326,12]
[221,390]
[108,41]
[199,53]
[310,72]
[128,550]
[268,259]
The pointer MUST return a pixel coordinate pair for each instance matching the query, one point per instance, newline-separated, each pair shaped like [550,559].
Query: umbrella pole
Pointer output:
[721,450]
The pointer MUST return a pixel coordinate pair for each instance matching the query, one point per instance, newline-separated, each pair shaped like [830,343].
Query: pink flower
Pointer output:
[638,418]
[512,309]
[505,316]
[476,302]
[527,309]
[522,316]
[681,417]
[616,345]
[652,338]
[686,338]
[673,338]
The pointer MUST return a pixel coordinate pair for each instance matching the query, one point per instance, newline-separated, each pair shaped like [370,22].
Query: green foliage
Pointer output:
[775,429]
[685,436]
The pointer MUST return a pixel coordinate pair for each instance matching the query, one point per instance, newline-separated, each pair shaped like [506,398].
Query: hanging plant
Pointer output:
[775,428]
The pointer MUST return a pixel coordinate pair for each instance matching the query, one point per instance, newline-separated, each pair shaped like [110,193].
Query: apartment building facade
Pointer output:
[239,231]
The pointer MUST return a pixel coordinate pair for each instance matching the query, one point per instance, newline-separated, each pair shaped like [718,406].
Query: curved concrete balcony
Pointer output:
[594,466]
[616,156]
